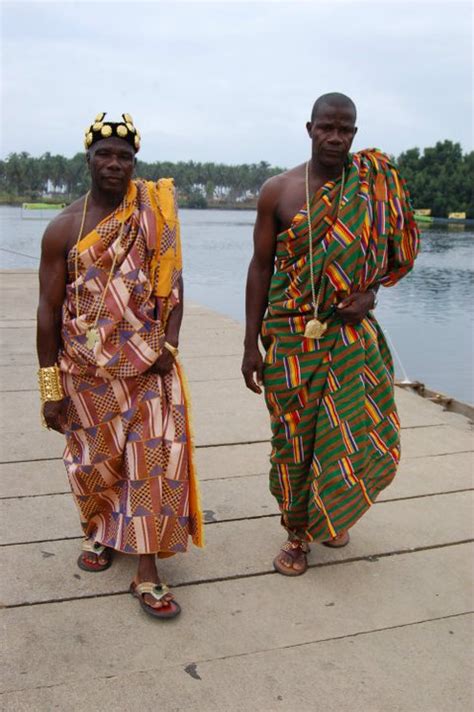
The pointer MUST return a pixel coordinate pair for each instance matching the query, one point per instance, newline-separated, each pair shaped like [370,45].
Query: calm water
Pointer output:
[428,317]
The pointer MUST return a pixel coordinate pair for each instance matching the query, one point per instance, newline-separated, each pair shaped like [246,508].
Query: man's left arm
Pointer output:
[165,361]
[403,247]
[404,234]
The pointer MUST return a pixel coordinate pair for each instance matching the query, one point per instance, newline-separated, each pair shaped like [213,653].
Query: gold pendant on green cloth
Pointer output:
[92,337]
[315,329]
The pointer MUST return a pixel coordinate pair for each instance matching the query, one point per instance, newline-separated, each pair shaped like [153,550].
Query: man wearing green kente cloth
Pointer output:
[328,233]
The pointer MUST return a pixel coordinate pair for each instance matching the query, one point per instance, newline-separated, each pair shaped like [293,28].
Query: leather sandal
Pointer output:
[338,541]
[168,609]
[100,552]
[295,550]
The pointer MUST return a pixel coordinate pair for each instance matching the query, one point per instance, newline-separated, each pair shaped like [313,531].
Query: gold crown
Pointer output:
[101,129]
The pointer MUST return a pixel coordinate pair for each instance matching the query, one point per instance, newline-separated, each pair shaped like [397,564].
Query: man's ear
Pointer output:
[88,157]
[309,126]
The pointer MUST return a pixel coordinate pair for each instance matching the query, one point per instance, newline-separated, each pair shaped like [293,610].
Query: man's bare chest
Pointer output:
[291,200]
[81,225]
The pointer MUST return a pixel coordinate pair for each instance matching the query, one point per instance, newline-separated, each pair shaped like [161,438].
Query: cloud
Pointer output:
[234,82]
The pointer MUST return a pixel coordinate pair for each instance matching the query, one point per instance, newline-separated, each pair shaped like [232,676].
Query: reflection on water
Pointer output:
[428,316]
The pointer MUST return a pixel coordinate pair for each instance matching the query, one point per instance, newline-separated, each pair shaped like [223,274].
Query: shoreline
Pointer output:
[182,206]
[433,222]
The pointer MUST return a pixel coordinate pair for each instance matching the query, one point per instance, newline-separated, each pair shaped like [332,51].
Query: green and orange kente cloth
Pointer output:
[129,450]
[335,428]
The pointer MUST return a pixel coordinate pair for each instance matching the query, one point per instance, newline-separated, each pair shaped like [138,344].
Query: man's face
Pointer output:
[111,163]
[332,132]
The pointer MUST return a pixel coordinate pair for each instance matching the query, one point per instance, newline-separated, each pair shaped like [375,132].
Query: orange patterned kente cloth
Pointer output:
[129,452]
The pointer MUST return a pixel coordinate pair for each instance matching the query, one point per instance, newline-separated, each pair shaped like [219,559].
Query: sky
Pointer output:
[234,82]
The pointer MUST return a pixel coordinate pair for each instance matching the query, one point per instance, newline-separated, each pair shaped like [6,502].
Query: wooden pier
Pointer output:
[380,626]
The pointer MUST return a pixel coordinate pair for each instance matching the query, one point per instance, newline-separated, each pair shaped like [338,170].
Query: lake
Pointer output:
[428,316]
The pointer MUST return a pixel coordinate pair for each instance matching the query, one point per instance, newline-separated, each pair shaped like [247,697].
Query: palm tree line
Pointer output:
[441,179]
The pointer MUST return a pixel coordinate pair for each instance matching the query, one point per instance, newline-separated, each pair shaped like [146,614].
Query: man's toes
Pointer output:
[286,561]
[152,602]
[298,563]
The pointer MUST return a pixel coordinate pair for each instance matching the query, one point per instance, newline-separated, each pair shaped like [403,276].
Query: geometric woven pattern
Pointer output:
[129,453]
[141,241]
[335,429]
[127,459]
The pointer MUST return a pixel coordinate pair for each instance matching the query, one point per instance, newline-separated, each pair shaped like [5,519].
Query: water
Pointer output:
[428,316]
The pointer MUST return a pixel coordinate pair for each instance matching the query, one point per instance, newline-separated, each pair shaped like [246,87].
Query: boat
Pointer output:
[423,218]
[43,206]
[40,211]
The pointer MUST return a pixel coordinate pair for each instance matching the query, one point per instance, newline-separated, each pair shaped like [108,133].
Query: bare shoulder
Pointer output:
[273,188]
[57,235]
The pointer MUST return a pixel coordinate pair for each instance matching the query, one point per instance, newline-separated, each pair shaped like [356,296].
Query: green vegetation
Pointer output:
[200,185]
[440,178]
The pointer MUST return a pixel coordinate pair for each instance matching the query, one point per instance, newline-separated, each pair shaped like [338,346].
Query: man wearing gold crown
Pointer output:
[328,233]
[109,316]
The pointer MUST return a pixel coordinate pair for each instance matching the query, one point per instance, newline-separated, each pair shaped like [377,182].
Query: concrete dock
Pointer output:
[380,626]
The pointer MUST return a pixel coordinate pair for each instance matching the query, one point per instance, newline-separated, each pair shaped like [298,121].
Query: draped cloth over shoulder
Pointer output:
[335,429]
[142,290]
[129,453]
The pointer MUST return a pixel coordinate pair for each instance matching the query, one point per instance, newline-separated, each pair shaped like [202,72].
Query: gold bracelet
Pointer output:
[172,349]
[50,384]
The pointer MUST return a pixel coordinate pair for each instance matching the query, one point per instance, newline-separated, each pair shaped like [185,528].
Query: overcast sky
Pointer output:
[234,82]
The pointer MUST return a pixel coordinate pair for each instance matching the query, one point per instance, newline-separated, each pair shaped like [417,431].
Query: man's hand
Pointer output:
[164,363]
[253,363]
[354,308]
[54,413]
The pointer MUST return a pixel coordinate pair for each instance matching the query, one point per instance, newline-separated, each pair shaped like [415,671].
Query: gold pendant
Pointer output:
[92,337]
[315,329]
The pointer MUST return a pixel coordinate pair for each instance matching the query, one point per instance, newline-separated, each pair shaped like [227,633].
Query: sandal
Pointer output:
[295,549]
[168,609]
[338,541]
[100,552]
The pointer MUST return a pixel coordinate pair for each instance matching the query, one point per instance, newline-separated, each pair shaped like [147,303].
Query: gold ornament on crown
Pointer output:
[125,130]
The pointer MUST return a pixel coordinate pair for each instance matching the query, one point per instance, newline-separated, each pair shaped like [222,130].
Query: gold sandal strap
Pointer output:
[157,590]
[292,545]
[93,546]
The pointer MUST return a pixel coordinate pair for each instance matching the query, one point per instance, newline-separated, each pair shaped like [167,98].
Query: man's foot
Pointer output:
[94,557]
[292,559]
[338,541]
[154,597]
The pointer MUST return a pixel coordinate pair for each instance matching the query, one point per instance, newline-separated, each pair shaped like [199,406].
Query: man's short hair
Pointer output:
[333,99]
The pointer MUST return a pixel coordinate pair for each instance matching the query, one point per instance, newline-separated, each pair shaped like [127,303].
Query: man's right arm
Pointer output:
[258,283]
[52,278]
